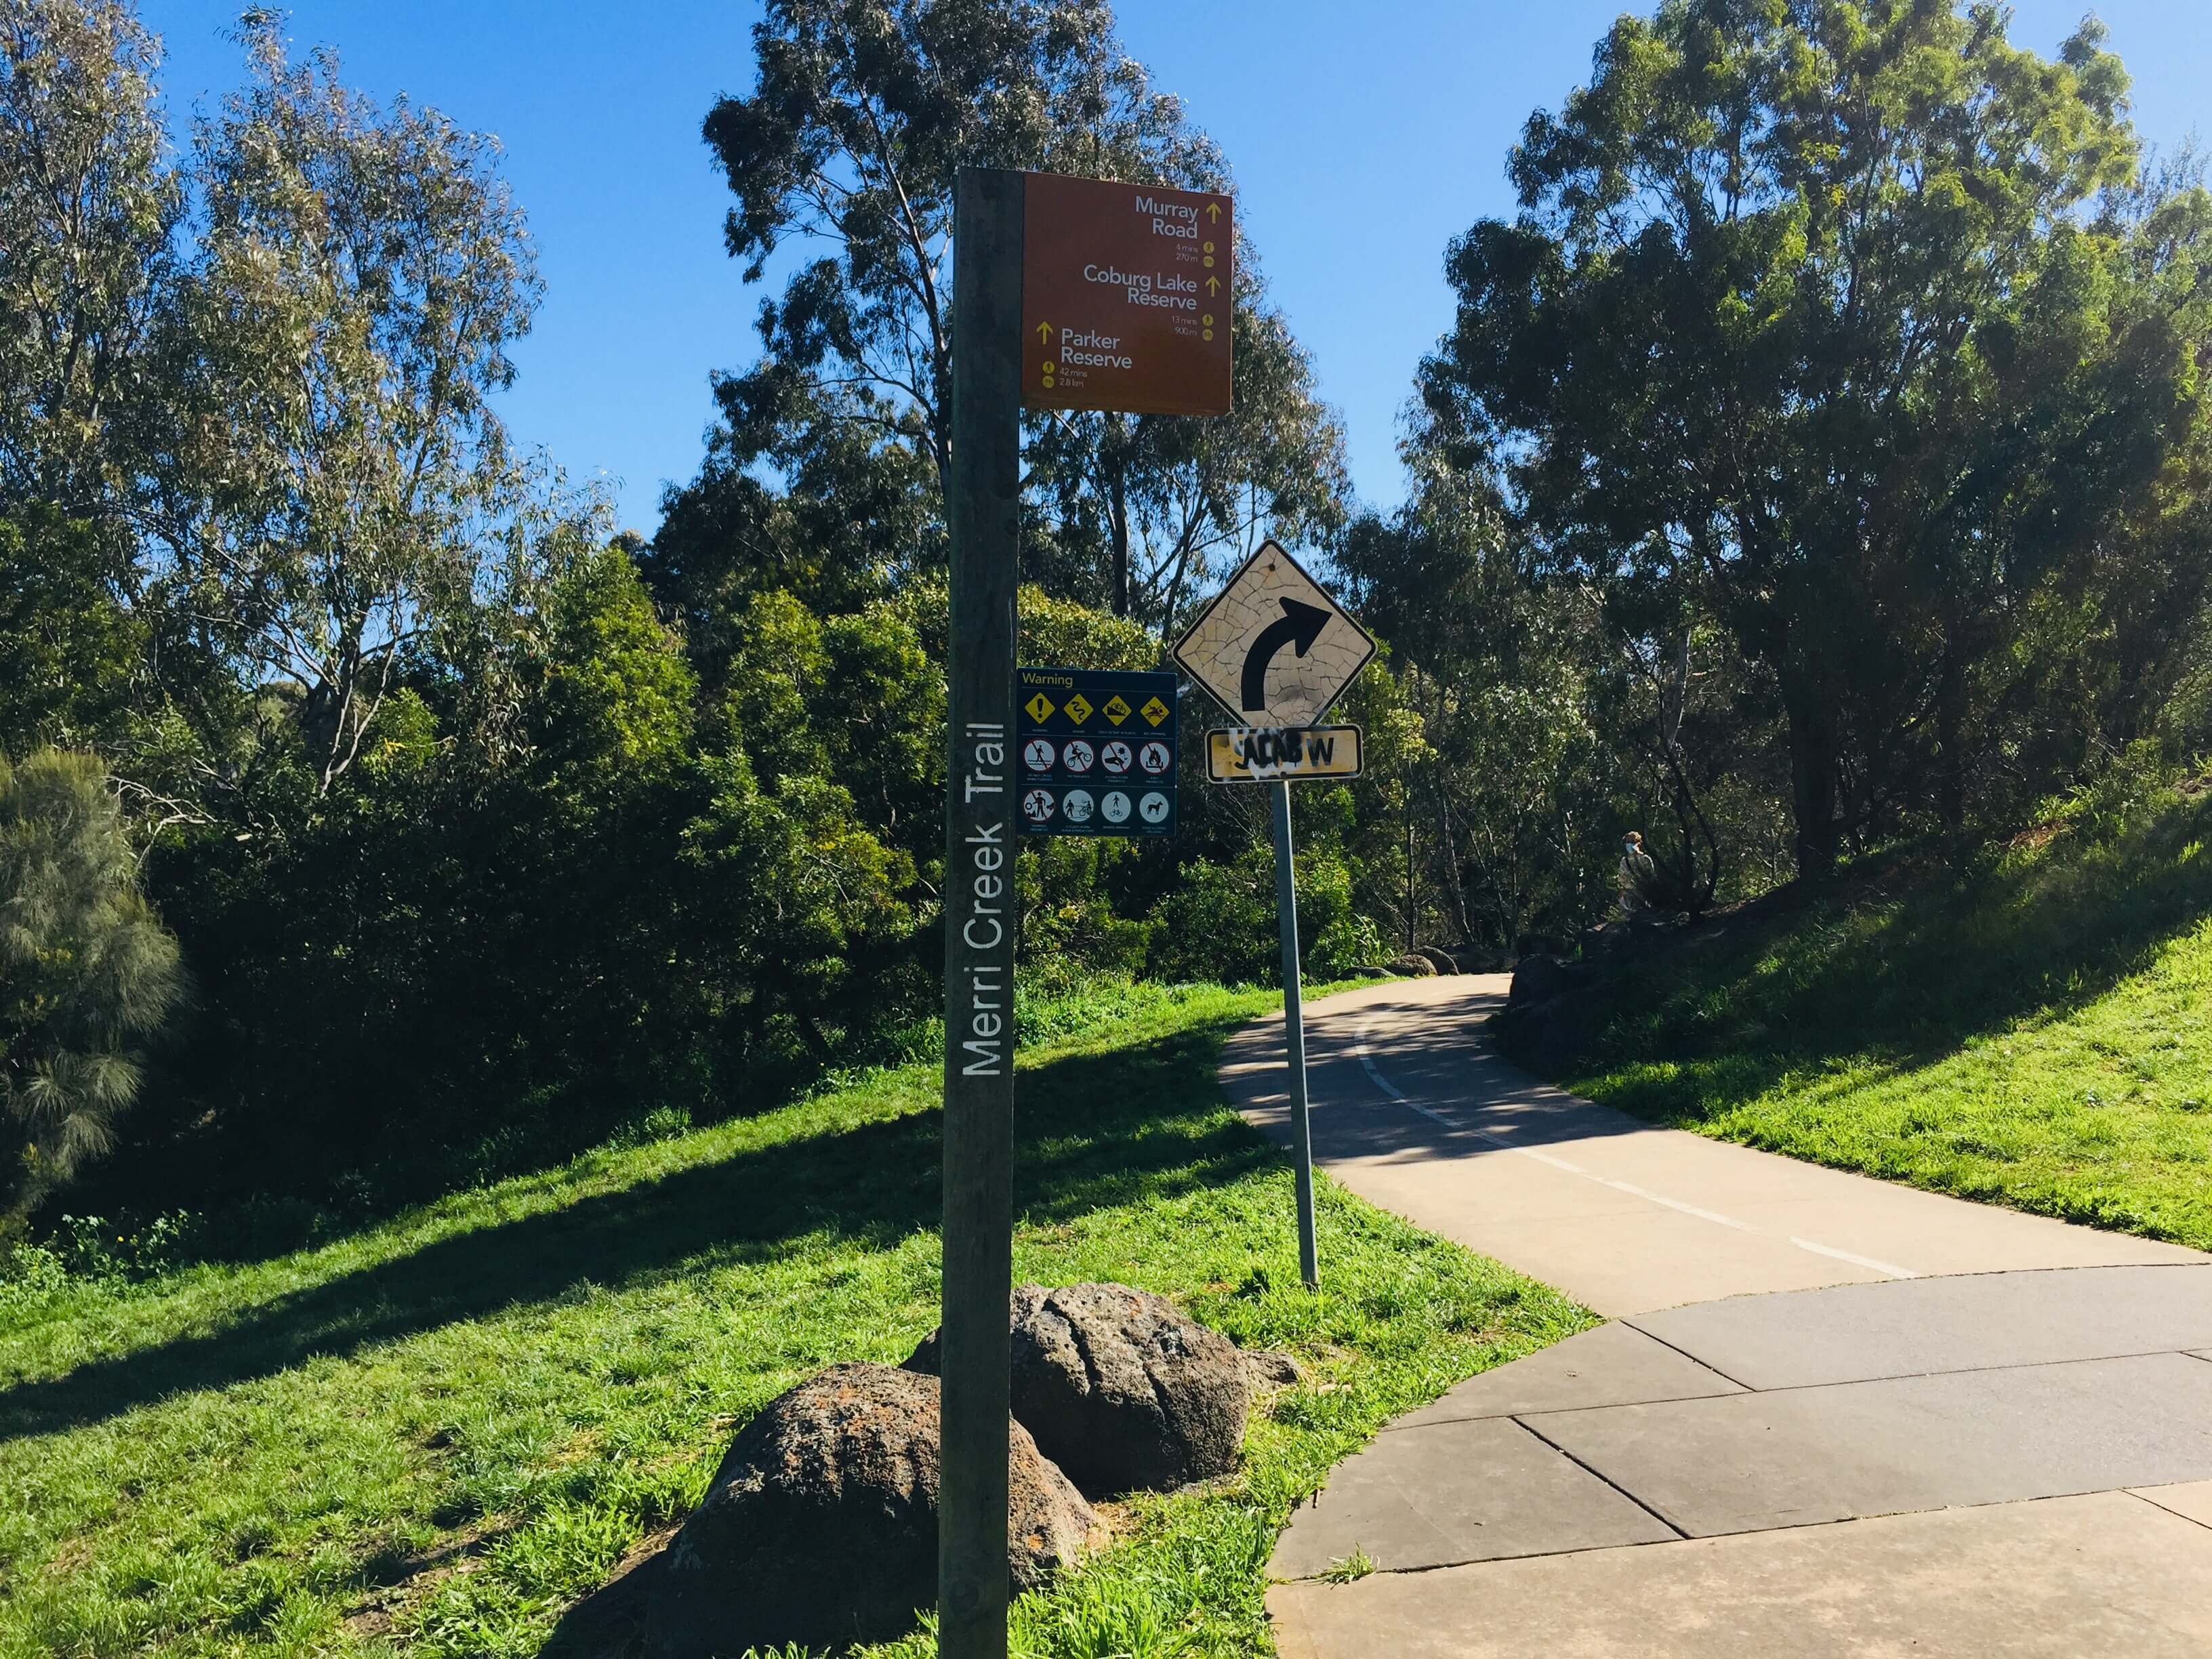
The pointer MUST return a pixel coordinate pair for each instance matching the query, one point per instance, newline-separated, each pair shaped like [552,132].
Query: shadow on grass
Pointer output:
[1901,965]
[1078,1148]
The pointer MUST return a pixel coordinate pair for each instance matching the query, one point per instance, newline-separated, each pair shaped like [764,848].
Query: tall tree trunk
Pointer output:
[1813,760]
[1121,516]
[1454,879]
[1951,739]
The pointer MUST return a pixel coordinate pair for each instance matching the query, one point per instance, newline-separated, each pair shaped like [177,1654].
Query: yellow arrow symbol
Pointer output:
[1213,285]
[1044,332]
[1213,211]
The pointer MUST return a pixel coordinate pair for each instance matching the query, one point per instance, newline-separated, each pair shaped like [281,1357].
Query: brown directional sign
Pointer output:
[1126,296]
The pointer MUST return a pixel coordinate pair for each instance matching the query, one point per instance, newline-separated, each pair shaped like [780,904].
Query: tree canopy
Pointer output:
[1856,329]
[851,142]
[1817,457]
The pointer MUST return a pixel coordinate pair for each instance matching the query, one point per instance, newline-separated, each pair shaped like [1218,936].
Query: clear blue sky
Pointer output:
[1362,139]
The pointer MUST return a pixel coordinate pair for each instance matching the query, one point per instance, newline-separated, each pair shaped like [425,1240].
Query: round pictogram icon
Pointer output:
[1116,755]
[1037,755]
[1153,807]
[1077,755]
[1036,806]
[1153,756]
[1075,804]
[1116,806]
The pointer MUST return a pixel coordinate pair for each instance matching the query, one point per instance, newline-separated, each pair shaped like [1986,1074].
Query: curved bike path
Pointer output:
[1829,1415]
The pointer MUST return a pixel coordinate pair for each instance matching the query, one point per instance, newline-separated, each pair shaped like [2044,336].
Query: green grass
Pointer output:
[2031,1026]
[435,1436]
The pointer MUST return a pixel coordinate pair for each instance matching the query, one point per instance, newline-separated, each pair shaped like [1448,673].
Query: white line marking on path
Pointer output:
[1856,1260]
[1391,1091]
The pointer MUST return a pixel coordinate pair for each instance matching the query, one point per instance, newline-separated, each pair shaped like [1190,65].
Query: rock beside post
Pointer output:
[1552,1014]
[1120,1390]
[820,1527]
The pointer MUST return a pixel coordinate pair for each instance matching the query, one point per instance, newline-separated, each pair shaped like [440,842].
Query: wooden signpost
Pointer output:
[1067,293]
[985,514]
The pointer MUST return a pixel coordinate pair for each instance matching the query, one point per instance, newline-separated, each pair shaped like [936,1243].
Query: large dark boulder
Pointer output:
[820,1527]
[1553,1036]
[1539,979]
[1120,1390]
[1552,1014]
[1473,959]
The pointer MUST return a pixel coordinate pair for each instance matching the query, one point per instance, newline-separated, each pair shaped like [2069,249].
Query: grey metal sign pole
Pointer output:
[980,810]
[1294,1034]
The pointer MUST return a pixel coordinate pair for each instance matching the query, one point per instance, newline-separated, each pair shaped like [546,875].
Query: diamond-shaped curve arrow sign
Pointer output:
[1274,647]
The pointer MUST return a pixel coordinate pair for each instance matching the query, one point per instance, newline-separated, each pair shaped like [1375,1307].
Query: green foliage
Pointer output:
[1068,887]
[1850,327]
[1219,923]
[68,646]
[434,1434]
[323,458]
[87,972]
[558,894]
[486,837]
[856,126]
[797,897]
[826,476]
[1061,634]
[89,202]
[1350,1569]
[616,706]
[89,1254]
[2023,1027]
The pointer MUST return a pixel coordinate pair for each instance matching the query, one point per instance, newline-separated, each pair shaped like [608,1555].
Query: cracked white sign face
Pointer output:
[1273,649]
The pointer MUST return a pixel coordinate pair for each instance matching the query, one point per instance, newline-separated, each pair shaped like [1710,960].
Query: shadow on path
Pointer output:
[1436,1053]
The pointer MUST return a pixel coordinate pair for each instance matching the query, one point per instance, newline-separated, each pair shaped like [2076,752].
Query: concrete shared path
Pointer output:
[1830,1416]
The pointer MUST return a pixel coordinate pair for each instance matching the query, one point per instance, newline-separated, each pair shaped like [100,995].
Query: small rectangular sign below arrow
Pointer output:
[1261,754]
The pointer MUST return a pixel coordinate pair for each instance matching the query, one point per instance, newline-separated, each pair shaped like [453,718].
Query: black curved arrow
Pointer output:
[1301,626]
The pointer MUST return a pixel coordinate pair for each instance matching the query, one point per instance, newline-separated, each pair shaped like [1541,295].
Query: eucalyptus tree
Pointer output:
[90,199]
[850,143]
[1148,508]
[1514,807]
[1842,318]
[327,468]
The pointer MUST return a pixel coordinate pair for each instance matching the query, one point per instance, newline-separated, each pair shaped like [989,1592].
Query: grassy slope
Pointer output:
[432,1437]
[2035,1029]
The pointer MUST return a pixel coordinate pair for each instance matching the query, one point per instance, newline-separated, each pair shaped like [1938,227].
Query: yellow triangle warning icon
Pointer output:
[1155,711]
[1039,707]
[1116,710]
[1078,708]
